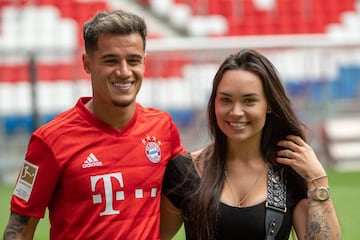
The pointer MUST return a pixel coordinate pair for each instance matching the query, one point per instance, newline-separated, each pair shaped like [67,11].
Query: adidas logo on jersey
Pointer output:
[91,161]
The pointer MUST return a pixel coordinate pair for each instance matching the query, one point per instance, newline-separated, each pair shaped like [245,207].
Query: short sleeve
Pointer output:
[180,179]
[296,190]
[36,181]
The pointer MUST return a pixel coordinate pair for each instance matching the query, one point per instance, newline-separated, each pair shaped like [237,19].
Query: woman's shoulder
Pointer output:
[200,157]
[196,153]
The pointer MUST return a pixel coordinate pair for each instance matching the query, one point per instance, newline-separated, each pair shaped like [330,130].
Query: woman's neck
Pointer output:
[246,152]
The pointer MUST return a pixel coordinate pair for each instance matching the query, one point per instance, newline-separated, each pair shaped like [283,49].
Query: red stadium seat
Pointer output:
[144,2]
[265,23]
[347,5]
[14,73]
[287,17]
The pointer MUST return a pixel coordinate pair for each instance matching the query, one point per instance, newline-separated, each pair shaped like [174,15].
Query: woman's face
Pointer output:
[240,106]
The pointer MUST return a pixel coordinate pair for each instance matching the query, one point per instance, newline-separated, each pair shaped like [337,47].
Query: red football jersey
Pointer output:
[98,182]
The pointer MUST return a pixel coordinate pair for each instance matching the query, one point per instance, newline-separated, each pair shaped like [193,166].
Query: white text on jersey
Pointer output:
[109,192]
[91,161]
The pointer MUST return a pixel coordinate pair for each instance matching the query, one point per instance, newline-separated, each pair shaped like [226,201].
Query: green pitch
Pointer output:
[345,190]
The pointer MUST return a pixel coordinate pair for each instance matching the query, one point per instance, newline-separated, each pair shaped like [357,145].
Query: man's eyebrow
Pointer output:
[108,56]
[116,56]
[136,56]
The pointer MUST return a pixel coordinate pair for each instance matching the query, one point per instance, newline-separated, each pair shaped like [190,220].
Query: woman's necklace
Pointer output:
[241,202]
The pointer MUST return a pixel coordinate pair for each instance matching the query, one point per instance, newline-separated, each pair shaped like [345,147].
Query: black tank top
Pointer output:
[246,223]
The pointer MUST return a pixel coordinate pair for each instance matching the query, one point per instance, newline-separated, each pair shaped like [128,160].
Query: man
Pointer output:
[98,167]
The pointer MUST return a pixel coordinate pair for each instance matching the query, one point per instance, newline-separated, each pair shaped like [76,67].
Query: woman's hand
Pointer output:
[300,156]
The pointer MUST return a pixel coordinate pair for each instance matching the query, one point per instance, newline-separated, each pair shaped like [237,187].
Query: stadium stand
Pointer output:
[177,81]
[341,140]
[250,17]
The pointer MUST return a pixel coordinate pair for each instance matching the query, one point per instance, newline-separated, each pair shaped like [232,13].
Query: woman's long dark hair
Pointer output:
[281,122]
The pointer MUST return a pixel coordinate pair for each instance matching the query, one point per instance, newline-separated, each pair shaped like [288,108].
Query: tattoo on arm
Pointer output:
[317,226]
[16,225]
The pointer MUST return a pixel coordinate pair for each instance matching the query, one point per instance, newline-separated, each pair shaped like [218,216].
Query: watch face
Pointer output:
[322,193]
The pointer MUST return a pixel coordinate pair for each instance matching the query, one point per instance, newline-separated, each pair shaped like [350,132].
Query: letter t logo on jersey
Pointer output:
[119,195]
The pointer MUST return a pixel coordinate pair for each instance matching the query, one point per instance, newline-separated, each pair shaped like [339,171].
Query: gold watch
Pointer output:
[319,194]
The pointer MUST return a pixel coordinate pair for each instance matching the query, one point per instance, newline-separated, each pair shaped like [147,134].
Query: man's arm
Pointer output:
[20,227]
[170,220]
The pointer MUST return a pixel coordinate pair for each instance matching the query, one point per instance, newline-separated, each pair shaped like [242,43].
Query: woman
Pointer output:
[225,190]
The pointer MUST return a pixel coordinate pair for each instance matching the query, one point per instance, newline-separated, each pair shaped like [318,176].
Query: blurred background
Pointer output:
[315,45]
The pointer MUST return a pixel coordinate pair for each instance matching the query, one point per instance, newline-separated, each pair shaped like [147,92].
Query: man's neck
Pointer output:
[114,116]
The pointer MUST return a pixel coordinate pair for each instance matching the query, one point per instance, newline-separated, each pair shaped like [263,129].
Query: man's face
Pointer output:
[117,69]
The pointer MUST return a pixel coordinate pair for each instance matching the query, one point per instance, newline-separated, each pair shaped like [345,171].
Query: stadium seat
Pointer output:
[179,18]
[265,4]
[32,27]
[14,124]
[161,8]
[144,2]
[201,26]
[14,73]
[341,141]
[182,117]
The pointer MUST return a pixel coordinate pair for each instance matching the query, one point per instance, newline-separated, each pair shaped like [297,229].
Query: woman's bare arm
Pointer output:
[316,219]
[313,219]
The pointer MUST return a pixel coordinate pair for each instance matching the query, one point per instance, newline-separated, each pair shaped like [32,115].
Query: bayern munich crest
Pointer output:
[152,149]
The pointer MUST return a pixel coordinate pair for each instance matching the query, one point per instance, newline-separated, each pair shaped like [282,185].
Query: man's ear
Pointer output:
[86,63]
[145,61]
